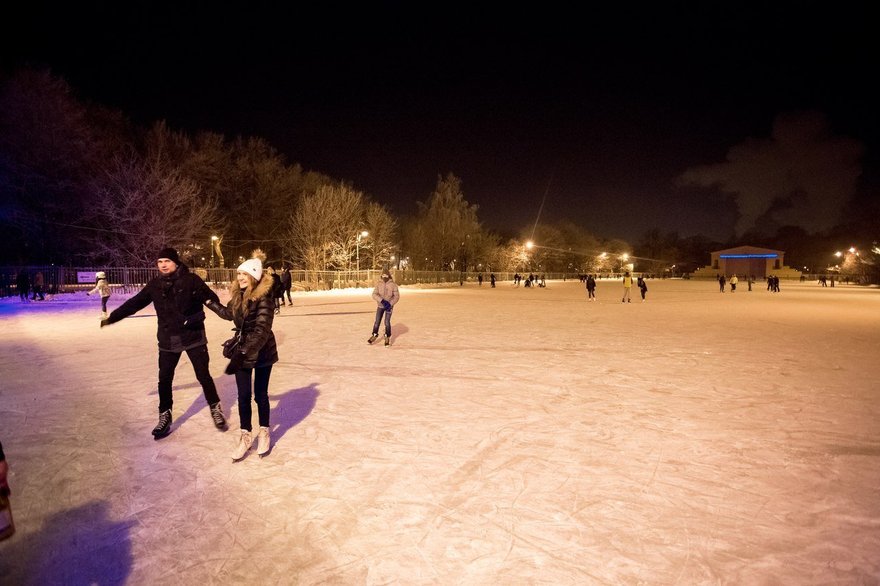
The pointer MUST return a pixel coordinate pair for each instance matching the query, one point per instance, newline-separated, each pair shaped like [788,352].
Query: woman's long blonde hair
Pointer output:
[238,294]
[237,304]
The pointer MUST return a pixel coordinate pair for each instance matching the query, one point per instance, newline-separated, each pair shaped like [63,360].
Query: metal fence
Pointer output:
[131,279]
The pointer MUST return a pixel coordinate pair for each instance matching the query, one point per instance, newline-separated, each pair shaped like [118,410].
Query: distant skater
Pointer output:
[386,294]
[23,284]
[627,286]
[38,287]
[103,288]
[722,280]
[643,287]
[286,284]
[492,279]
[591,288]
[733,281]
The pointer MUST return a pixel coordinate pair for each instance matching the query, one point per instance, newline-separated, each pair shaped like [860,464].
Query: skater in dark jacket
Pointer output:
[386,295]
[277,288]
[178,297]
[286,285]
[252,309]
[23,284]
[643,287]
[591,288]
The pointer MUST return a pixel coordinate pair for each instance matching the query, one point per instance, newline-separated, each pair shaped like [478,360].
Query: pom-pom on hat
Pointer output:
[170,254]
[254,266]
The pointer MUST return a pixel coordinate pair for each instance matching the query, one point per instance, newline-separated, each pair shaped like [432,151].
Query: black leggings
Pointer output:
[168,362]
[261,395]
[104,303]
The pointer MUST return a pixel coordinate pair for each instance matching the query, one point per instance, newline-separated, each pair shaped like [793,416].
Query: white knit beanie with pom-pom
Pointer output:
[254,266]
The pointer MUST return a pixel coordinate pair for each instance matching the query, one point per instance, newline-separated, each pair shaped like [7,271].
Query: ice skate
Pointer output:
[372,338]
[244,444]
[103,315]
[163,428]
[263,441]
[387,340]
[217,416]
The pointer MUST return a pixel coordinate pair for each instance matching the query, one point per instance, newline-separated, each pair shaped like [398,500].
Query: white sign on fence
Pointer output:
[85,276]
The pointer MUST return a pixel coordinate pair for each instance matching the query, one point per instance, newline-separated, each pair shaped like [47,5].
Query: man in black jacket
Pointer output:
[178,297]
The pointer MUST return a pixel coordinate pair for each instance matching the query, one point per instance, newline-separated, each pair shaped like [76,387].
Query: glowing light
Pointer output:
[530,244]
[748,256]
[357,248]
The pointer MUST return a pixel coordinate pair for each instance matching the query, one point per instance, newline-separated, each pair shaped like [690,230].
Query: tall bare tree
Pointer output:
[381,244]
[324,227]
[51,146]
[447,222]
[144,206]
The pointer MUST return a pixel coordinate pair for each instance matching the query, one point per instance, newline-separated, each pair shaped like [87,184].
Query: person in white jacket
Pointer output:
[103,288]
[386,294]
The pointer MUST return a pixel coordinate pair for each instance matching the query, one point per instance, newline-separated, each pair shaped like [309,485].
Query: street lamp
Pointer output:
[357,247]
[213,240]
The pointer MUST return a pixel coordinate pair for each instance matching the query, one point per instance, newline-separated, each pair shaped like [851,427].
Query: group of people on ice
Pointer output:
[180,297]
[590,282]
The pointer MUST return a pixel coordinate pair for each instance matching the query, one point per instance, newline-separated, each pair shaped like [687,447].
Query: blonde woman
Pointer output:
[252,309]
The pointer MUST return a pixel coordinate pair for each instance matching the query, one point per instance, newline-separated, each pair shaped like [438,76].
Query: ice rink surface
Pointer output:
[508,436]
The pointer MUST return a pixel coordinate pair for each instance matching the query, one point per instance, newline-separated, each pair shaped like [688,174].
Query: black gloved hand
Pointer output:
[105,322]
[235,363]
[386,304]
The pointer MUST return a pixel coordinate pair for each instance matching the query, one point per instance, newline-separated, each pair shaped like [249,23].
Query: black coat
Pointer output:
[179,300]
[253,319]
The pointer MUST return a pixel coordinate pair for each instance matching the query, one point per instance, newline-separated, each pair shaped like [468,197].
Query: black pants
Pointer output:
[168,362]
[104,304]
[287,292]
[261,395]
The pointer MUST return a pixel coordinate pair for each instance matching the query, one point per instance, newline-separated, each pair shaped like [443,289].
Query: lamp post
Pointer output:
[357,248]
[213,240]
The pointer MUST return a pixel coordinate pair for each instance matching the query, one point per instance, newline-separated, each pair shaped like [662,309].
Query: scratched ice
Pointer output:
[508,436]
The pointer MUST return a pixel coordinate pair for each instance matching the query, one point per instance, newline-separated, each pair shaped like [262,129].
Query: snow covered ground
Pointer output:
[509,436]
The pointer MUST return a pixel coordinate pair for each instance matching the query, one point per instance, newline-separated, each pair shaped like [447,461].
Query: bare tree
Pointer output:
[445,224]
[324,227]
[382,228]
[144,206]
[51,145]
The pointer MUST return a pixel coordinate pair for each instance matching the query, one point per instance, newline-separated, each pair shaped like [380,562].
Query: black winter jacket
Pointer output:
[179,300]
[254,321]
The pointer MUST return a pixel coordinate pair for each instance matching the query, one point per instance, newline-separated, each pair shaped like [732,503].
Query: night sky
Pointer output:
[625,119]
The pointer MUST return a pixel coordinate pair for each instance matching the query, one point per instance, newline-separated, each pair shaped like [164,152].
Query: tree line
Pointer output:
[80,184]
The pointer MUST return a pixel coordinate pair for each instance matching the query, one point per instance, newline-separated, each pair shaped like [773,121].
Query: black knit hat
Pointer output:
[170,254]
